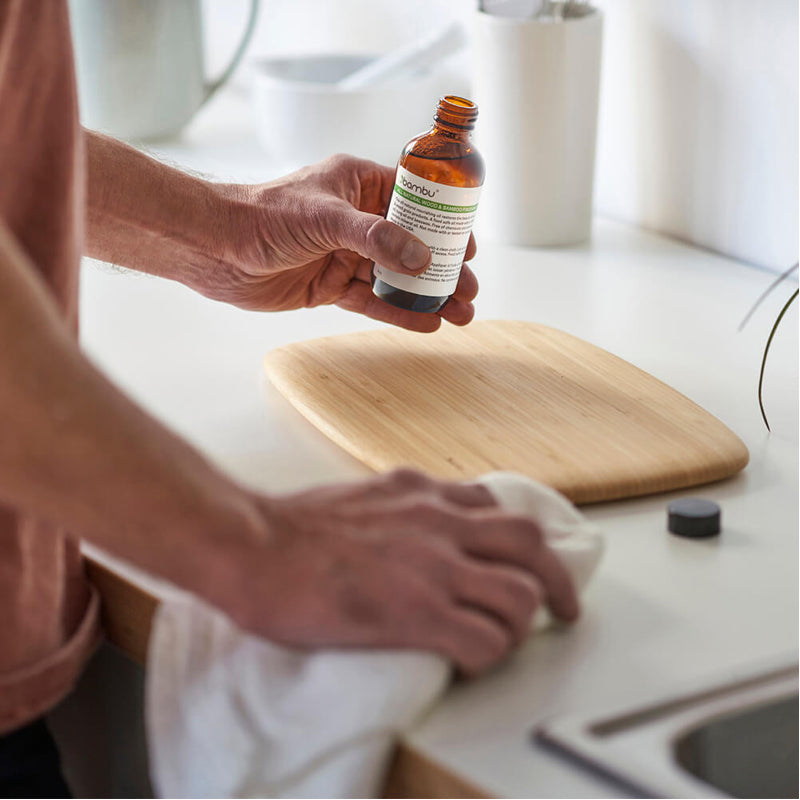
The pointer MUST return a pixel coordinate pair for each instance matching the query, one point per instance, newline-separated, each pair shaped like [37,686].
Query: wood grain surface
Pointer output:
[127,610]
[413,774]
[505,395]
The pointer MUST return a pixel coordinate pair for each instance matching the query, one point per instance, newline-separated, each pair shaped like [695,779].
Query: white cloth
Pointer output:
[232,715]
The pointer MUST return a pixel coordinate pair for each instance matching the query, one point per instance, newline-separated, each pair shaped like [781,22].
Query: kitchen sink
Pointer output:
[747,753]
[739,739]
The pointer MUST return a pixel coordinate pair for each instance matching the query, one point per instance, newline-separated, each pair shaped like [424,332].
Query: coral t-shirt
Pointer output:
[48,611]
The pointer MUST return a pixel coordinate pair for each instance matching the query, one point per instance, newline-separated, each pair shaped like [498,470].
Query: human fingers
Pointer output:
[375,186]
[472,248]
[374,182]
[518,541]
[467,286]
[430,501]
[386,176]
[359,297]
[405,600]
[466,289]
[472,495]
[405,478]
[421,500]
[373,237]
[471,640]
[457,312]
[426,618]
[459,309]
[510,594]
[504,592]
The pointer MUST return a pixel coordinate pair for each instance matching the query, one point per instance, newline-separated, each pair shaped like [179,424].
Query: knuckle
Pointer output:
[407,478]
[421,552]
[491,649]
[418,602]
[380,234]
[475,581]
[527,595]
[431,559]
[425,508]
[523,535]
[422,613]
[338,160]
[497,644]
[477,644]
[516,531]
[448,568]
[521,621]
[526,529]
[510,594]
[434,604]
[438,519]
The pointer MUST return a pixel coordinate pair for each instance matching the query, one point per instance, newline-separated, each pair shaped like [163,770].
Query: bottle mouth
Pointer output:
[454,101]
[457,111]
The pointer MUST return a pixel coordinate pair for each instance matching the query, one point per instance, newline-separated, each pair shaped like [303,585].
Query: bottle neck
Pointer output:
[455,117]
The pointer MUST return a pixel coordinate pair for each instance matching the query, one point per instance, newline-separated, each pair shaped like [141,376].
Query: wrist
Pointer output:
[235,210]
[218,543]
[154,218]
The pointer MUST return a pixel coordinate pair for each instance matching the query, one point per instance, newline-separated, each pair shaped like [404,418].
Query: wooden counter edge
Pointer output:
[128,611]
[413,774]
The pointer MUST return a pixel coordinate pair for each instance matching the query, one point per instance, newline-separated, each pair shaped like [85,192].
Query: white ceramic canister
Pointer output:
[537,85]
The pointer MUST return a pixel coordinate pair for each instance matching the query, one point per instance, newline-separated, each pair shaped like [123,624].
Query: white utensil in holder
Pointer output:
[537,85]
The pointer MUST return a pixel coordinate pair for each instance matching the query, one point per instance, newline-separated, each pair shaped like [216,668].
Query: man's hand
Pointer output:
[305,240]
[397,561]
[311,239]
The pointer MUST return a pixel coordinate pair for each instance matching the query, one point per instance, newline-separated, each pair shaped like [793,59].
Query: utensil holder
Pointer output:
[536,83]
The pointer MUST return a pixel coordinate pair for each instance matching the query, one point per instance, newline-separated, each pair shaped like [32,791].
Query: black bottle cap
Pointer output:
[693,517]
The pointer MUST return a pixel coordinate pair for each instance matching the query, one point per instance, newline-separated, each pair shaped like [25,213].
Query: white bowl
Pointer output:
[302,116]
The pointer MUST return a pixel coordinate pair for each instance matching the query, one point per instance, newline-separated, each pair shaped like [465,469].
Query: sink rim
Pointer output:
[635,745]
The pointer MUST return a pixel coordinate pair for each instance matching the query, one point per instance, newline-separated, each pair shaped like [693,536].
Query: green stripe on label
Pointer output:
[422,201]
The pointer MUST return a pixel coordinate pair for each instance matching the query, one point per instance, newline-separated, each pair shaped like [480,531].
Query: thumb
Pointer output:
[381,241]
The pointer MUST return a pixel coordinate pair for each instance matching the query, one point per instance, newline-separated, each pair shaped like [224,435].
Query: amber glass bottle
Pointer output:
[435,196]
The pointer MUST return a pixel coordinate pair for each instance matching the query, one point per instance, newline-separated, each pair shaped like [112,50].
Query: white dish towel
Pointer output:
[232,715]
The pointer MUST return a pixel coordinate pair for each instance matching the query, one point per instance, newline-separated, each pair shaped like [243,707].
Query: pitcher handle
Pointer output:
[211,88]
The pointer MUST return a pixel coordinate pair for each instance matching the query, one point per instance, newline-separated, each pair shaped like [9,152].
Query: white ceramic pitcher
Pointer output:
[140,64]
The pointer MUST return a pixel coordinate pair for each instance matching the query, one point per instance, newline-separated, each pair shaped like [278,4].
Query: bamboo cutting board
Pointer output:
[504,395]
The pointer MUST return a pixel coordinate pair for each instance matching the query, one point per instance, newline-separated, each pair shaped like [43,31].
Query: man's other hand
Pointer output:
[400,560]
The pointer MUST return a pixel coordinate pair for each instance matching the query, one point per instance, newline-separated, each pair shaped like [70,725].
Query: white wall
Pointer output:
[698,123]
[317,26]
[698,133]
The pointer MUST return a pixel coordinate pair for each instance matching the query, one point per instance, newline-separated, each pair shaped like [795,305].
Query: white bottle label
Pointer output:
[439,215]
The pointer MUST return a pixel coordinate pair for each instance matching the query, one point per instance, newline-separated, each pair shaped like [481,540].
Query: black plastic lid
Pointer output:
[693,517]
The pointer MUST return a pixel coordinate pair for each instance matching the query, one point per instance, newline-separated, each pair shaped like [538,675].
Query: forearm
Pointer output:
[153,218]
[307,239]
[75,450]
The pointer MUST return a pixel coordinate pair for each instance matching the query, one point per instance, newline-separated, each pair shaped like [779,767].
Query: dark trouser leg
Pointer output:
[30,765]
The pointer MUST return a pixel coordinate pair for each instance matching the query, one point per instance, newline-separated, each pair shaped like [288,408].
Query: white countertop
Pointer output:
[662,610]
